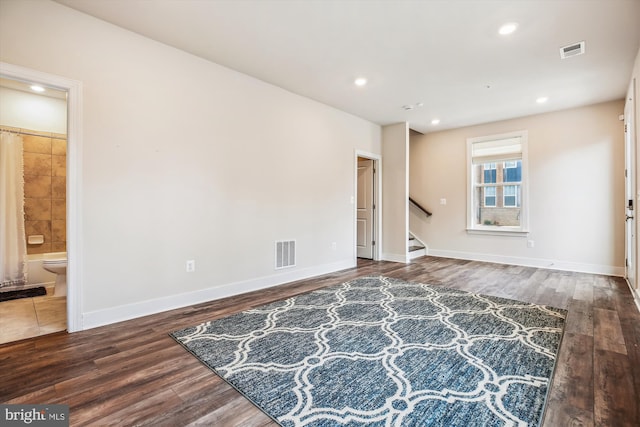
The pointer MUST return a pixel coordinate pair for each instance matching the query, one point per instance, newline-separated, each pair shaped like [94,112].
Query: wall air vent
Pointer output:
[285,253]
[574,49]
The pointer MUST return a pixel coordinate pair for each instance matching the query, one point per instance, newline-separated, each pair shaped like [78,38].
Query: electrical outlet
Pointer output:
[531,243]
[443,201]
[334,245]
[191,266]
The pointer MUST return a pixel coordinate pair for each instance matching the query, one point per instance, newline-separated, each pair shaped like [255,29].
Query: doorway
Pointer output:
[366,201]
[630,189]
[34,120]
[73,90]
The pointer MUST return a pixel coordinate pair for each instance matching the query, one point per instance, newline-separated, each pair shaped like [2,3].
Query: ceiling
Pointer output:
[27,87]
[443,58]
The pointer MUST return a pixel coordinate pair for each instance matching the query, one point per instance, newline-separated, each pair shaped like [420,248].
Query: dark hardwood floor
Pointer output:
[133,373]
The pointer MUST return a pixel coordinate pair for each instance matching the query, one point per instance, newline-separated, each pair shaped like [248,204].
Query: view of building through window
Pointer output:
[498,192]
[497,183]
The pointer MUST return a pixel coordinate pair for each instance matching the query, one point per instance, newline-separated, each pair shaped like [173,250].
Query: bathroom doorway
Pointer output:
[65,221]
[33,121]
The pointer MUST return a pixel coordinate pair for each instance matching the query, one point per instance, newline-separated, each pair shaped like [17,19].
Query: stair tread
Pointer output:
[415,248]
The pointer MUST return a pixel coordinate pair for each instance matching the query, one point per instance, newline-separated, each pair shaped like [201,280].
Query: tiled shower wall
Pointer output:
[45,170]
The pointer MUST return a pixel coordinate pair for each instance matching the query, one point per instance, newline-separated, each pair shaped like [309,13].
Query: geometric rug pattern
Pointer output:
[377,351]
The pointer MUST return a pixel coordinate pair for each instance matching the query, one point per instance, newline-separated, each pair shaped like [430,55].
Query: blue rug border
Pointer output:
[439,286]
[223,378]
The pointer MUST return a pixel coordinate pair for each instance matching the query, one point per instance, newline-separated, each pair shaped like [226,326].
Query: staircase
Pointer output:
[416,248]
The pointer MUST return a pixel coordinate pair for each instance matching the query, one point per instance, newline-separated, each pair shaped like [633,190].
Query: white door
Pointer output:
[365,208]
[630,190]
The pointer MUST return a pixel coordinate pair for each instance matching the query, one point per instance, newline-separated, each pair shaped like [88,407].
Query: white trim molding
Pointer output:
[550,264]
[634,293]
[74,180]
[121,313]
[403,258]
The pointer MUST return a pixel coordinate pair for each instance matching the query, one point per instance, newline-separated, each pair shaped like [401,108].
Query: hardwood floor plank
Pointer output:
[574,366]
[607,331]
[628,315]
[563,415]
[616,400]
[117,395]
[603,298]
[137,412]
[109,384]
[46,394]
[235,412]
[134,373]
[584,291]
[579,318]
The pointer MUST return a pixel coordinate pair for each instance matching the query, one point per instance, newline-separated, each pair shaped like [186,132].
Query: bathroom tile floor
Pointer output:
[29,317]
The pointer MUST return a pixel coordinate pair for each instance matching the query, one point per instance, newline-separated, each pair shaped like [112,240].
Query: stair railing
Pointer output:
[417,205]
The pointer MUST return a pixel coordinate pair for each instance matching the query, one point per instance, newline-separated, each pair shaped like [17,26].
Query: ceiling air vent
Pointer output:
[574,49]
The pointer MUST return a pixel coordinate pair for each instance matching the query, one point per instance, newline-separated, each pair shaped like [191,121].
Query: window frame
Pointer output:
[494,195]
[472,226]
[506,168]
[492,167]
[514,195]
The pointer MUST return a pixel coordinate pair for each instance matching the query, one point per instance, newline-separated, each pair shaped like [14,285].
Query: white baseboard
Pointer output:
[404,258]
[608,270]
[94,319]
[635,293]
[417,254]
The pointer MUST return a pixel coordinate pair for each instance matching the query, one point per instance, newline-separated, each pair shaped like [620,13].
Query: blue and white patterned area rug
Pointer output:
[377,351]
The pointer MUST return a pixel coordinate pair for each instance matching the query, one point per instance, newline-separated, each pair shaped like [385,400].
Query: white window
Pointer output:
[490,196]
[497,183]
[490,174]
[511,196]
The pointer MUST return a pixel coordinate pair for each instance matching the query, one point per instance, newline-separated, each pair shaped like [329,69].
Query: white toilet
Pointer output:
[59,267]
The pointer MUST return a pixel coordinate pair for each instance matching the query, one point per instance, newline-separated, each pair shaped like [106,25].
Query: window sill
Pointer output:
[499,231]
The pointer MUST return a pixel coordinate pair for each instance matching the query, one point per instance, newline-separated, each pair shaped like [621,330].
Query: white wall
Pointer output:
[395,192]
[576,187]
[31,111]
[184,159]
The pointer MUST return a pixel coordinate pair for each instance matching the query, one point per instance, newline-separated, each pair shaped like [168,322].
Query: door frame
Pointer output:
[377,200]
[74,179]
[630,118]
[631,199]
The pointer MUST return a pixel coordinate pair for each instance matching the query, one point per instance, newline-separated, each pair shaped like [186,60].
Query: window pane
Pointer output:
[489,173]
[490,196]
[512,171]
[511,193]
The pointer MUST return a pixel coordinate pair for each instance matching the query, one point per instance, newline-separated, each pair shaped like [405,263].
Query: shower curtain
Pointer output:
[13,244]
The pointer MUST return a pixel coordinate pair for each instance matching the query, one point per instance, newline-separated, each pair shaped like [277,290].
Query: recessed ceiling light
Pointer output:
[360,81]
[37,88]
[435,121]
[508,28]
[542,100]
